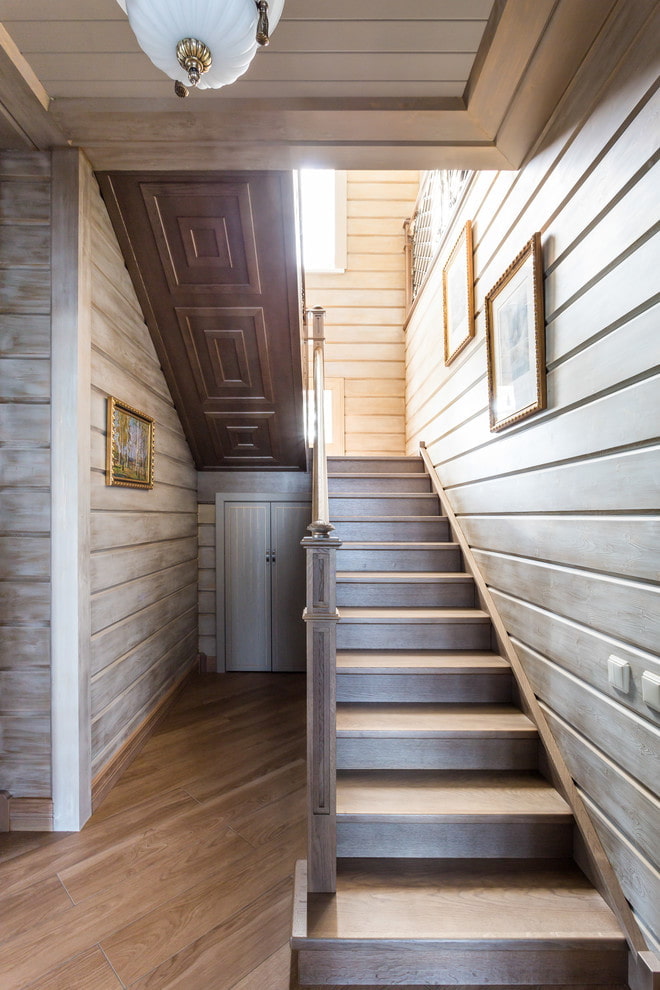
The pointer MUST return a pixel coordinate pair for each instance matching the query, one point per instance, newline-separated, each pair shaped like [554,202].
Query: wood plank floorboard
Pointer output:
[184,875]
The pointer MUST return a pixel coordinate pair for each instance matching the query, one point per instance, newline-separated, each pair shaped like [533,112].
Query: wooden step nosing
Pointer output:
[403,545]
[404,577]
[398,733]
[479,618]
[466,671]
[458,818]
[388,519]
[560,943]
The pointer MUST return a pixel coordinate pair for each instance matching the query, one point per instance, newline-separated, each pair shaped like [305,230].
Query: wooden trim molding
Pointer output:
[108,776]
[30,814]
[644,966]
[25,814]
[4,811]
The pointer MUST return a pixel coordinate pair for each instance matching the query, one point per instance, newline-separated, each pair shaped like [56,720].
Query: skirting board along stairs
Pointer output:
[455,852]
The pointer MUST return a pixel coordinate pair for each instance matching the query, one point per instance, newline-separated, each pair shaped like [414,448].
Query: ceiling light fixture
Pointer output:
[202,43]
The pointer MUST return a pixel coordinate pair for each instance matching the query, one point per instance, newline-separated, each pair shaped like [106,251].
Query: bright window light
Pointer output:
[323,219]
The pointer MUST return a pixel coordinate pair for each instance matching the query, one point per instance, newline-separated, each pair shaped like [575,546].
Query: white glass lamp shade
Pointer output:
[227,27]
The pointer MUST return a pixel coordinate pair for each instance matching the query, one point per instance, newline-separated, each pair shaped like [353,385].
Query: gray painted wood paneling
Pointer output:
[25,474]
[562,508]
[144,554]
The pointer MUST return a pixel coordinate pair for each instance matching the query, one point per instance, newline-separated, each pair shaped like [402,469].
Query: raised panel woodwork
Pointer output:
[213,260]
[228,353]
[204,232]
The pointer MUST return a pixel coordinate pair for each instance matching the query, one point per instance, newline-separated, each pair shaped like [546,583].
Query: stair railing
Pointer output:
[321,618]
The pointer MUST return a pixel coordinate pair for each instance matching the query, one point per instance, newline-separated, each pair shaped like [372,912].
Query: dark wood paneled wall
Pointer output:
[562,508]
[144,543]
[25,286]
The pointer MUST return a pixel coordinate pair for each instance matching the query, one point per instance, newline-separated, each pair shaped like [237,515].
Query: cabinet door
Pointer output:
[247,586]
[289,521]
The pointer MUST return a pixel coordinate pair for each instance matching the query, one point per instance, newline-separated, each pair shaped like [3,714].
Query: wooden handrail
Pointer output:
[321,617]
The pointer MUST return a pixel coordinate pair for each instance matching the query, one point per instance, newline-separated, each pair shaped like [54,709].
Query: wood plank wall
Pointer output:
[562,509]
[144,543]
[365,311]
[25,285]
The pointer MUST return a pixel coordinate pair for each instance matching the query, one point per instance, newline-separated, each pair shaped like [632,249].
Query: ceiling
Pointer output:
[367,84]
[85,48]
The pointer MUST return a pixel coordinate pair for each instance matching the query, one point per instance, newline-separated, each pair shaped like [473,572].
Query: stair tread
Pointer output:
[391,661]
[399,545]
[367,496]
[373,474]
[355,614]
[386,719]
[388,519]
[544,904]
[414,577]
[427,795]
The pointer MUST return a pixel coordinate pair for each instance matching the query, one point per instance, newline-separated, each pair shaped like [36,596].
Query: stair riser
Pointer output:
[459,594]
[399,560]
[385,483]
[470,967]
[398,531]
[347,507]
[375,465]
[471,688]
[487,840]
[466,753]
[420,636]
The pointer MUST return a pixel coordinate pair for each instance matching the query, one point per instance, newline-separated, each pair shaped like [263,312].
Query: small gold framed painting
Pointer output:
[130,446]
[515,337]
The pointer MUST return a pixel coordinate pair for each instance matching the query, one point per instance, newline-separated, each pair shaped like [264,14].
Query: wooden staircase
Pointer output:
[455,853]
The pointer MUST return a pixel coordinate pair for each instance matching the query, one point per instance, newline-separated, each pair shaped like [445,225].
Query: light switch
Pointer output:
[651,690]
[618,673]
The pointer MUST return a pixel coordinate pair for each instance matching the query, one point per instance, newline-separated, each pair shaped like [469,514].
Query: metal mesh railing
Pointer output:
[438,194]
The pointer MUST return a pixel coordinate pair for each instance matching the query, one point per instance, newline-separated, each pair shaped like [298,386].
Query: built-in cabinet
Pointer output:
[261,582]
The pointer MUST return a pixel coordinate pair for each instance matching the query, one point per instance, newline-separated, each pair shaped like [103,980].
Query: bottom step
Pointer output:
[475,923]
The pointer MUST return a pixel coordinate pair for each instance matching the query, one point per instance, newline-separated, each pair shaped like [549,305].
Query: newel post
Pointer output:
[321,617]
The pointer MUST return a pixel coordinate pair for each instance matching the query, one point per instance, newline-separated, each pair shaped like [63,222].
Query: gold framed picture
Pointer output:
[129,446]
[458,295]
[515,337]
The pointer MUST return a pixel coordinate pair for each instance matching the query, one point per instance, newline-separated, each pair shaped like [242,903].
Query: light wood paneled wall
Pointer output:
[143,543]
[25,285]
[562,509]
[365,311]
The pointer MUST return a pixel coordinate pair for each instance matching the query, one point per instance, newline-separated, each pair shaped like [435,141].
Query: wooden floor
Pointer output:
[183,878]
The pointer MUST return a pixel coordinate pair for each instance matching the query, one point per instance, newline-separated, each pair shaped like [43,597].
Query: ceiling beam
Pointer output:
[25,121]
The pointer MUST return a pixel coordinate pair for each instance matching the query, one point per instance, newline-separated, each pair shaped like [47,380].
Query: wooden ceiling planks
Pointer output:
[214,262]
[370,85]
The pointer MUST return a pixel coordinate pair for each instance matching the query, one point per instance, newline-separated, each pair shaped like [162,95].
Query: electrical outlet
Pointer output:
[651,690]
[618,673]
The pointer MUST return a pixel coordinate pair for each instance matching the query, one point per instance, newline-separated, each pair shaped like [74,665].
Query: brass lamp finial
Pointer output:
[195,58]
[263,30]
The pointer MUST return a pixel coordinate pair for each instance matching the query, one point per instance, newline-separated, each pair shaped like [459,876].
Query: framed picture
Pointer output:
[515,336]
[130,446]
[458,295]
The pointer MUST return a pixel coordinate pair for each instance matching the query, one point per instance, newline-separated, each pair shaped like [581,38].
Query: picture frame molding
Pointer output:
[111,477]
[531,251]
[461,250]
